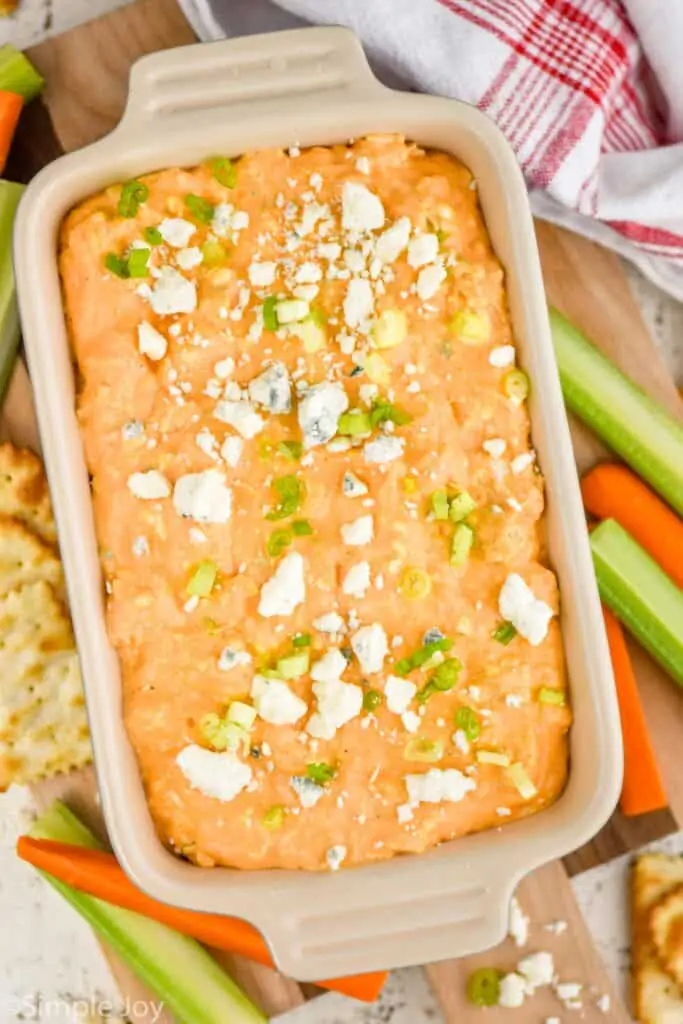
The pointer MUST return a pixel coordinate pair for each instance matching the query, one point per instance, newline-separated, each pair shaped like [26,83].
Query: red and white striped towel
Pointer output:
[588,92]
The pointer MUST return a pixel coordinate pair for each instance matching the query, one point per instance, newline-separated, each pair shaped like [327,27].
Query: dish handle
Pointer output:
[398,928]
[253,75]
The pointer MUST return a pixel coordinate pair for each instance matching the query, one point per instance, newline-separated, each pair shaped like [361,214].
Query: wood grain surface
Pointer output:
[86,71]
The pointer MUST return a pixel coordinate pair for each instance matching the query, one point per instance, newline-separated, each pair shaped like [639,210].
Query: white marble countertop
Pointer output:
[51,967]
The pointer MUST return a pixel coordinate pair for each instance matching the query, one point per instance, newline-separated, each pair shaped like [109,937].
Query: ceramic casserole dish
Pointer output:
[313,86]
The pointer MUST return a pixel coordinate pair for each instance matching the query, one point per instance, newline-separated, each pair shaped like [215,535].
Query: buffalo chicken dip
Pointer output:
[318,507]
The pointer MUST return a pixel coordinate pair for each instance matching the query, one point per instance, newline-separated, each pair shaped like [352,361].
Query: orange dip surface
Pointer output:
[318,510]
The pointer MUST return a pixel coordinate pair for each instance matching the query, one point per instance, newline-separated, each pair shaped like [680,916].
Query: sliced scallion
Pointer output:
[274,817]
[294,665]
[419,748]
[387,412]
[203,579]
[302,640]
[200,208]
[354,423]
[291,492]
[371,700]
[439,503]
[278,541]
[116,265]
[461,544]
[137,262]
[292,450]
[461,506]
[269,313]
[224,171]
[133,194]
[546,695]
[468,720]
[213,253]
[493,757]
[153,236]
[302,528]
[321,773]
[504,634]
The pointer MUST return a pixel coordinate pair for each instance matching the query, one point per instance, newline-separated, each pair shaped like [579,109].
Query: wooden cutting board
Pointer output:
[86,72]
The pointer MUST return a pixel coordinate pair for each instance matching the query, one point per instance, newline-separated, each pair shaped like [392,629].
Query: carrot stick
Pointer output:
[611,491]
[97,873]
[642,789]
[11,106]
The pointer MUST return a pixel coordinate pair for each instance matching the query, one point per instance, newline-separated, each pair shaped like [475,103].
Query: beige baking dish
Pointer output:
[314,86]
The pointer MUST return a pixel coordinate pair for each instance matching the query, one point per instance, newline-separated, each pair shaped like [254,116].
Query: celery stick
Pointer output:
[18,75]
[641,594]
[10,194]
[631,422]
[188,980]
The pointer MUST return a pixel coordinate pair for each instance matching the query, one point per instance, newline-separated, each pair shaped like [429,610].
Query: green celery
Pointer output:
[18,75]
[193,987]
[636,426]
[10,194]
[641,594]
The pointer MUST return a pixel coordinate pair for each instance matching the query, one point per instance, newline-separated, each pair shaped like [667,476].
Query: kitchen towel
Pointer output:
[589,93]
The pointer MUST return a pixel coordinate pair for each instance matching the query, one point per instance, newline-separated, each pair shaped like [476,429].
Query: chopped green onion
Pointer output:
[483,987]
[385,412]
[302,640]
[504,633]
[137,262]
[445,676]
[116,265]
[294,665]
[302,528]
[519,777]
[516,385]
[371,700]
[439,502]
[224,171]
[493,757]
[213,253]
[471,328]
[290,491]
[220,733]
[461,544]
[18,75]
[422,749]
[203,579]
[153,236]
[291,450]
[274,817]
[422,655]
[269,312]
[242,714]
[549,696]
[201,209]
[317,316]
[278,541]
[321,773]
[468,720]
[461,506]
[354,423]
[133,193]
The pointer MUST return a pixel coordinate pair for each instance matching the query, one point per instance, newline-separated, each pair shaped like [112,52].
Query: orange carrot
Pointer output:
[611,491]
[11,106]
[97,873]
[642,789]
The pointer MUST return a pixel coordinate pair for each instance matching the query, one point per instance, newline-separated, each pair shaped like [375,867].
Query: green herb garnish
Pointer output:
[153,236]
[483,987]
[290,491]
[385,412]
[201,209]
[422,655]
[461,506]
[302,640]
[294,665]
[461,544]
[546,695]
[302,528]
[203,579]
[444,678]
[278,541]
[274,817]
[269,312]
[137,262]
[439,503]
[371,700]
[504,633]
[354,423]
[468,720]
[292,450]
[133,193]
[321,773]
[116,265]
[224,171]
